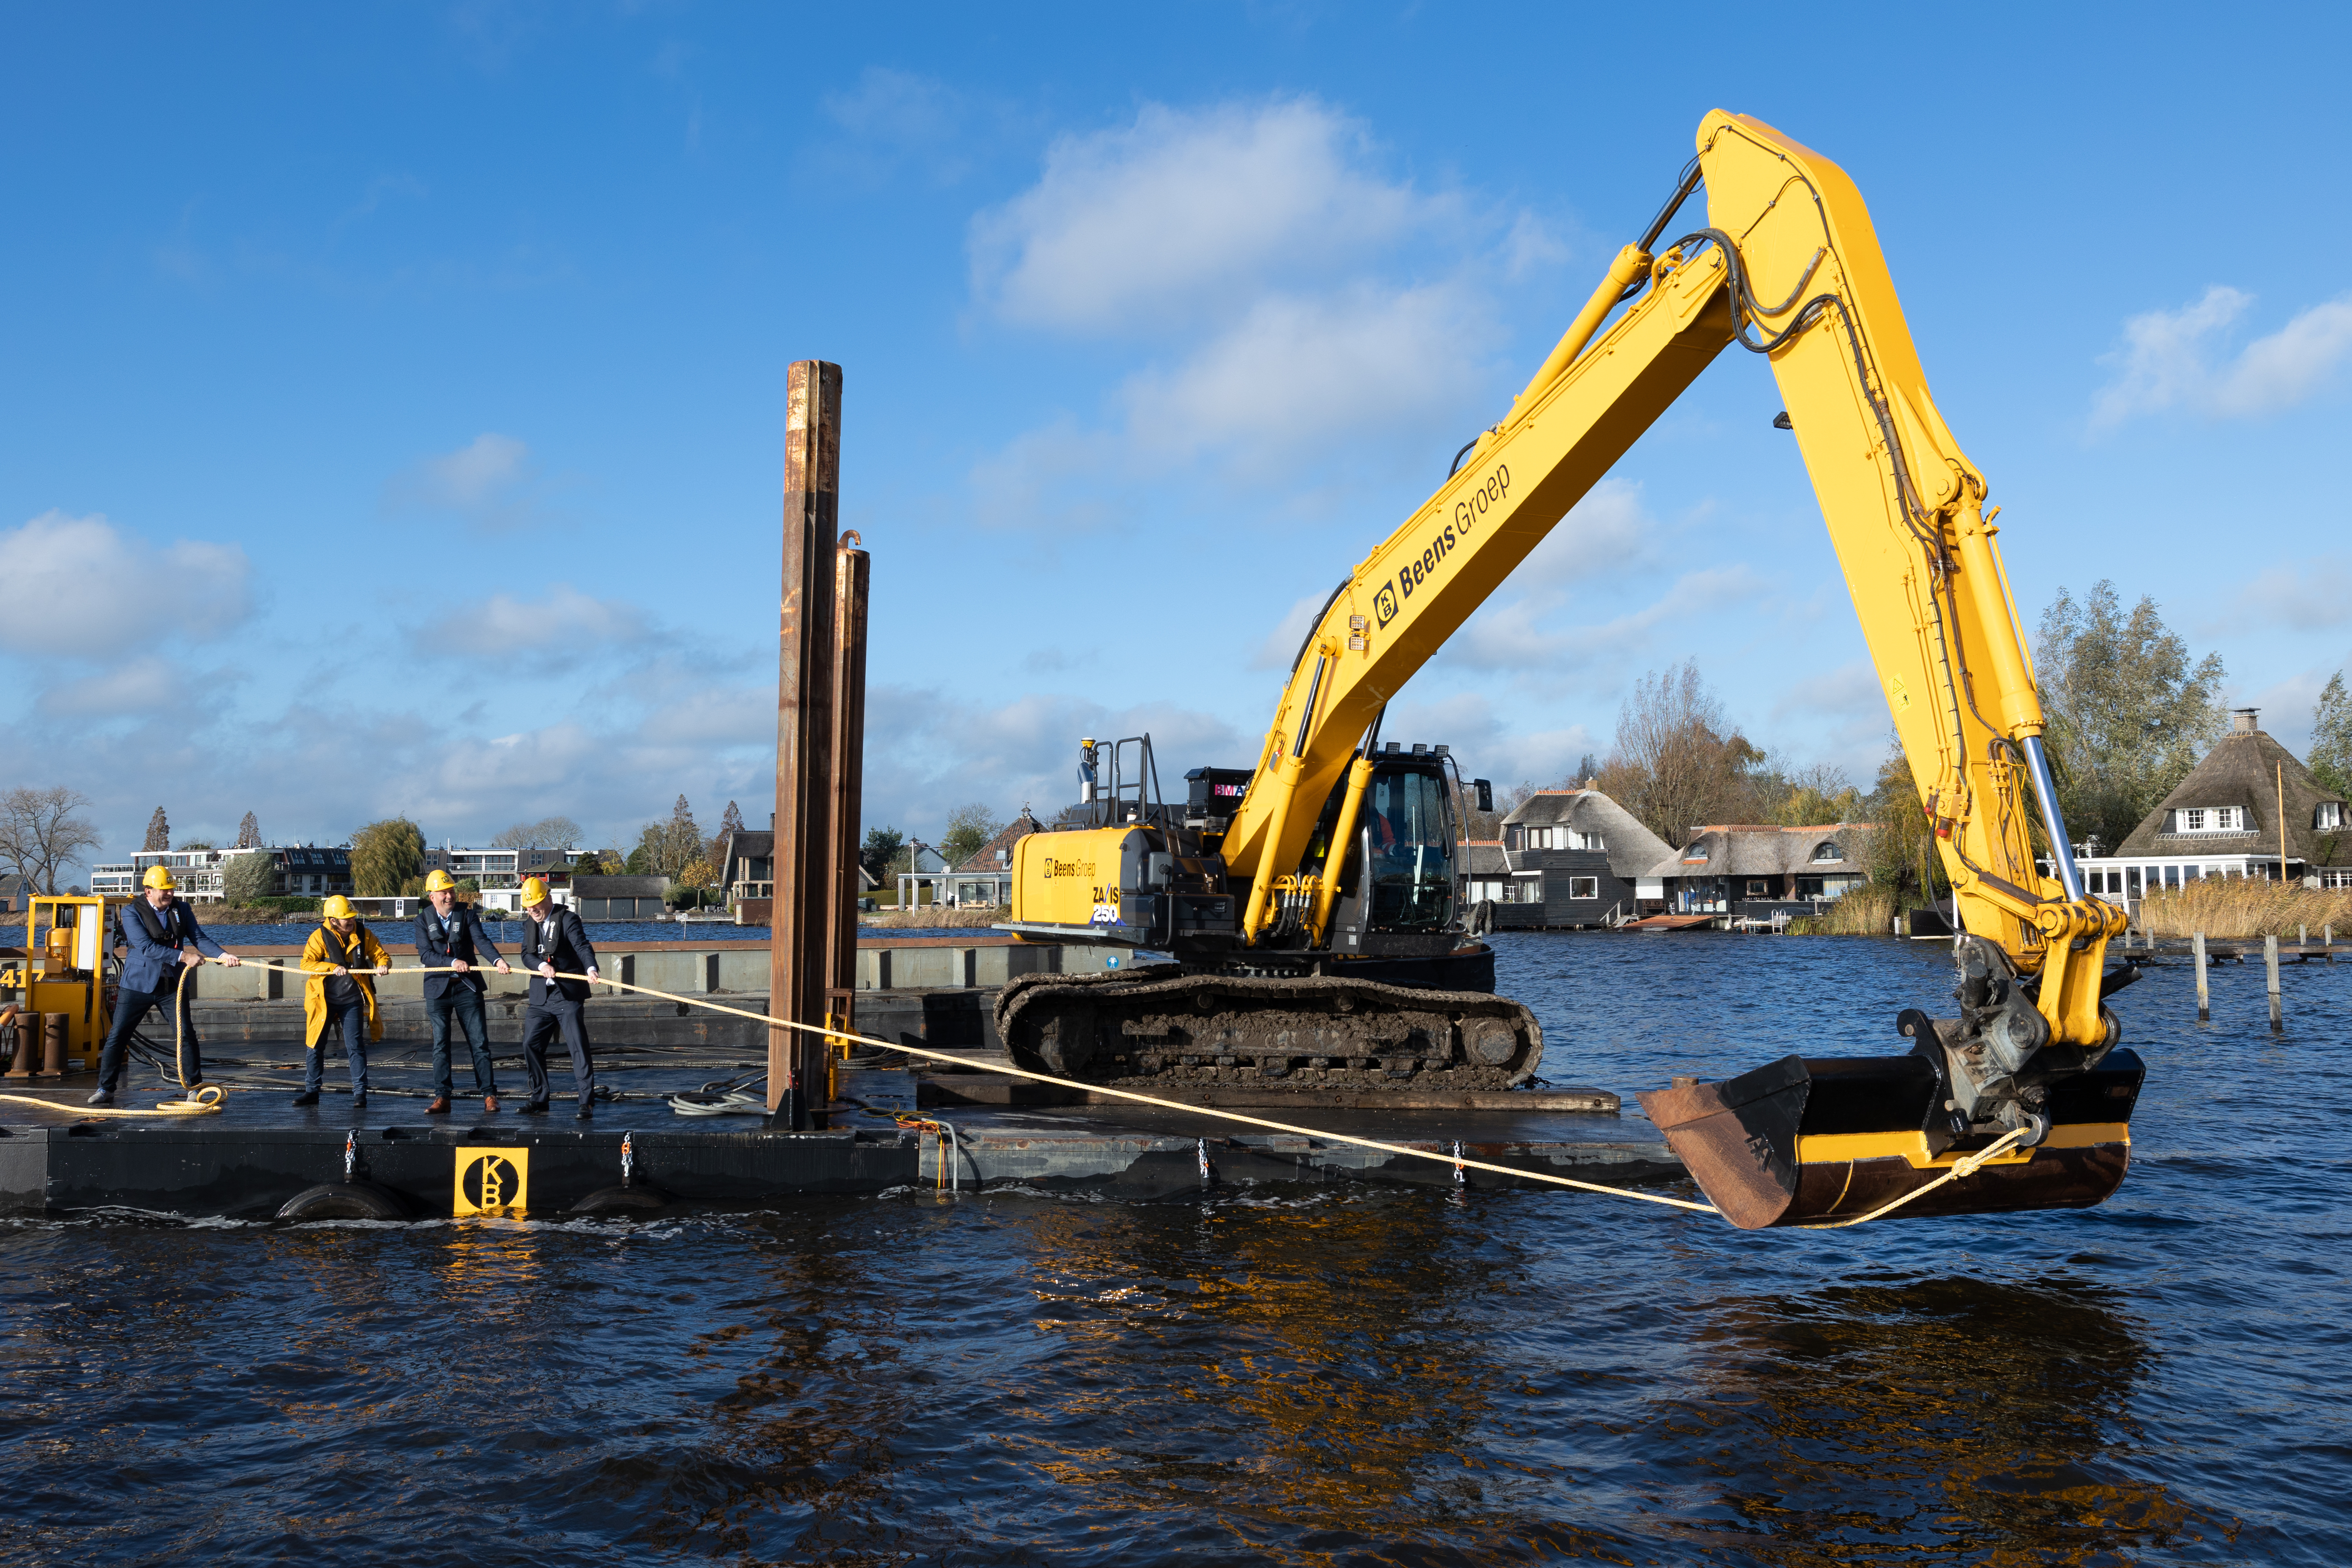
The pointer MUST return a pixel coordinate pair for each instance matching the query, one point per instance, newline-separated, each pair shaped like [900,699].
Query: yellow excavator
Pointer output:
[1307,903]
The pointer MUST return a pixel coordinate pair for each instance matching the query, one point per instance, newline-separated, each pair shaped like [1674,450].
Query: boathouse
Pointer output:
[1759,870]
[618,897]
[1566,858]
[2227,818]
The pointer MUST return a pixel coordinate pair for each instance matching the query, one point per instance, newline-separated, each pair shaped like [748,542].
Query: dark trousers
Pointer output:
[540,1021]
[130,1007]
[466,1003]
[351,1018]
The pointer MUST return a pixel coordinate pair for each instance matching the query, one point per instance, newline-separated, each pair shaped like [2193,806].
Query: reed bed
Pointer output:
[934,916]
[1867,911]
[2234,907]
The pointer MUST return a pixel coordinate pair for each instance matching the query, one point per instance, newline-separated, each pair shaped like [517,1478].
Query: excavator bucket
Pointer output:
[1815,1140]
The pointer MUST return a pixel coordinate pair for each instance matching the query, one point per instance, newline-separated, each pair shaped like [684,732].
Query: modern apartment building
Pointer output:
[496,871]
[301,871]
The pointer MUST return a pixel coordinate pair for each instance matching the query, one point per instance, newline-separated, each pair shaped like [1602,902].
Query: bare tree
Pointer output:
[248,832]
[40,835]
[159,831]
[547,834]
[1678,763]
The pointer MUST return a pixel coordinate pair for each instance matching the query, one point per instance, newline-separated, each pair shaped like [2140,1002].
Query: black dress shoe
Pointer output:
[533,1108]
[359,1102]
[308,1097]
[103,1097]
[585,1113]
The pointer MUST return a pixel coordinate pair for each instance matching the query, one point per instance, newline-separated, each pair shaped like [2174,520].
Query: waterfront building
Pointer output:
[924,880]
[497,869]
[297,871]
[618,897]
[2225,820]
[1759,870]
[985,878]
[15,894]
[1566,858]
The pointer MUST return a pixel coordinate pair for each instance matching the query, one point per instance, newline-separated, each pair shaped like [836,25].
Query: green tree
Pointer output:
[385,855]
[881,847]
[469,889]
[639,861]
[1900,851]
[250,879]
[2128,714]
[198,844]
[2331,737]
[969,826]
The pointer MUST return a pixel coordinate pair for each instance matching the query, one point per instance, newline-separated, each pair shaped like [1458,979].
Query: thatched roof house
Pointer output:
[2226,819]
[1732,864]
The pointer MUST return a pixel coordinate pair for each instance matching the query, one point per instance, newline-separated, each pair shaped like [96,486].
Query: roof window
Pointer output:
[1827,849]
[2327,814]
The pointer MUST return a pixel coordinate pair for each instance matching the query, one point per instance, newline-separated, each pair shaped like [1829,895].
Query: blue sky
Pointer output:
[392,411]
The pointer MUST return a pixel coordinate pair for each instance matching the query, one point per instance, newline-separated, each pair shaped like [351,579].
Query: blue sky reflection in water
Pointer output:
[1323,1375]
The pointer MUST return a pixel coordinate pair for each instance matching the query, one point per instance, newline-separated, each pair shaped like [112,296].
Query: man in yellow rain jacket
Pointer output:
[336,996]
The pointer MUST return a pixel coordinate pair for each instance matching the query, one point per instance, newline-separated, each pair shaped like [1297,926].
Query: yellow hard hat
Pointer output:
[338,907]
[438,879]
[158,876]
[533,892]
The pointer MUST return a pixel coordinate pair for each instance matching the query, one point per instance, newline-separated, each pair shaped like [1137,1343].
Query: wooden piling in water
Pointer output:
[852,574]
[798,977]
[2270,976]
[2204,997]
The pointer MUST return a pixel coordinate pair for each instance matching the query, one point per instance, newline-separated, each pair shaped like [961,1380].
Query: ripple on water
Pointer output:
[1373,1375]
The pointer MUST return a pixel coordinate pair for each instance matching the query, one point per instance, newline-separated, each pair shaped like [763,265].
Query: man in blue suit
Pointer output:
[555,942]
[165,943]
[449,935]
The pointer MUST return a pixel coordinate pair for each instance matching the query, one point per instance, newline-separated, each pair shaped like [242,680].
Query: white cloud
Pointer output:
[1850,689]
[2312,596]
[488,479]
[1297,374]
[1518,635]
[1282,644]
[564,619]
[1487,747]
[144,685]
[1182,212]
[894,120]
[2166,360]
[66,575]
[928,752]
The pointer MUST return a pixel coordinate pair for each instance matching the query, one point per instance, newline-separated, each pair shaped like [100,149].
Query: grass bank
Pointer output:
[1864,912]
[2236,908]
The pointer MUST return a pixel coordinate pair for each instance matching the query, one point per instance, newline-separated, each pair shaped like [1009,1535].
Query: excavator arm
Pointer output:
[1786,264]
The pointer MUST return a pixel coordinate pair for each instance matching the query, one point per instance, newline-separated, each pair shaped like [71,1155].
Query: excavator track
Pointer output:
[1161,1025]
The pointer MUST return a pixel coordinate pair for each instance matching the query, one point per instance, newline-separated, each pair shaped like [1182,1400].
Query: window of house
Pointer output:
[2327,814]
[2336,878]
[2131,882]
[1826,851]
[1757,888]
[1584,887]
[1697,851]
[1594,841]
[2212,818]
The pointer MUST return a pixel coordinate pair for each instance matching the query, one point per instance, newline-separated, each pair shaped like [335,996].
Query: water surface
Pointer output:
[1301,1375]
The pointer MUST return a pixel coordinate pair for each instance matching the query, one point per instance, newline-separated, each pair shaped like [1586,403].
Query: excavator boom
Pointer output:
[1785,264]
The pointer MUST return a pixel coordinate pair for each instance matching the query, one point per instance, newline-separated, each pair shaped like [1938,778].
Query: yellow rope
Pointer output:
[192,1100]
[1098,1089]
[196,1105]
[1966,1165]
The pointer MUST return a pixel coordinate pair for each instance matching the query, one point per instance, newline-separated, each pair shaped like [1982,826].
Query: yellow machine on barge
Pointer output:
[1307,902]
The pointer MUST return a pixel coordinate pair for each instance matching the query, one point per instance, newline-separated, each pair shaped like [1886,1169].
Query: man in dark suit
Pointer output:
[554,943]
[165,943]
[449,935]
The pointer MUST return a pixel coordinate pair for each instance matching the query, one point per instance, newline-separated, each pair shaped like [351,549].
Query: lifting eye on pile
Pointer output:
[1780,421]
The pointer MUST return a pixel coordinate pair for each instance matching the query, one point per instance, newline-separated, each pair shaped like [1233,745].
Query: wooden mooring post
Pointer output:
[2204,997]
[2270,979]
[798,955]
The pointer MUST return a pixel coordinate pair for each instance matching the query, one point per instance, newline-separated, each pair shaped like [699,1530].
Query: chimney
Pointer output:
[2242,720]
